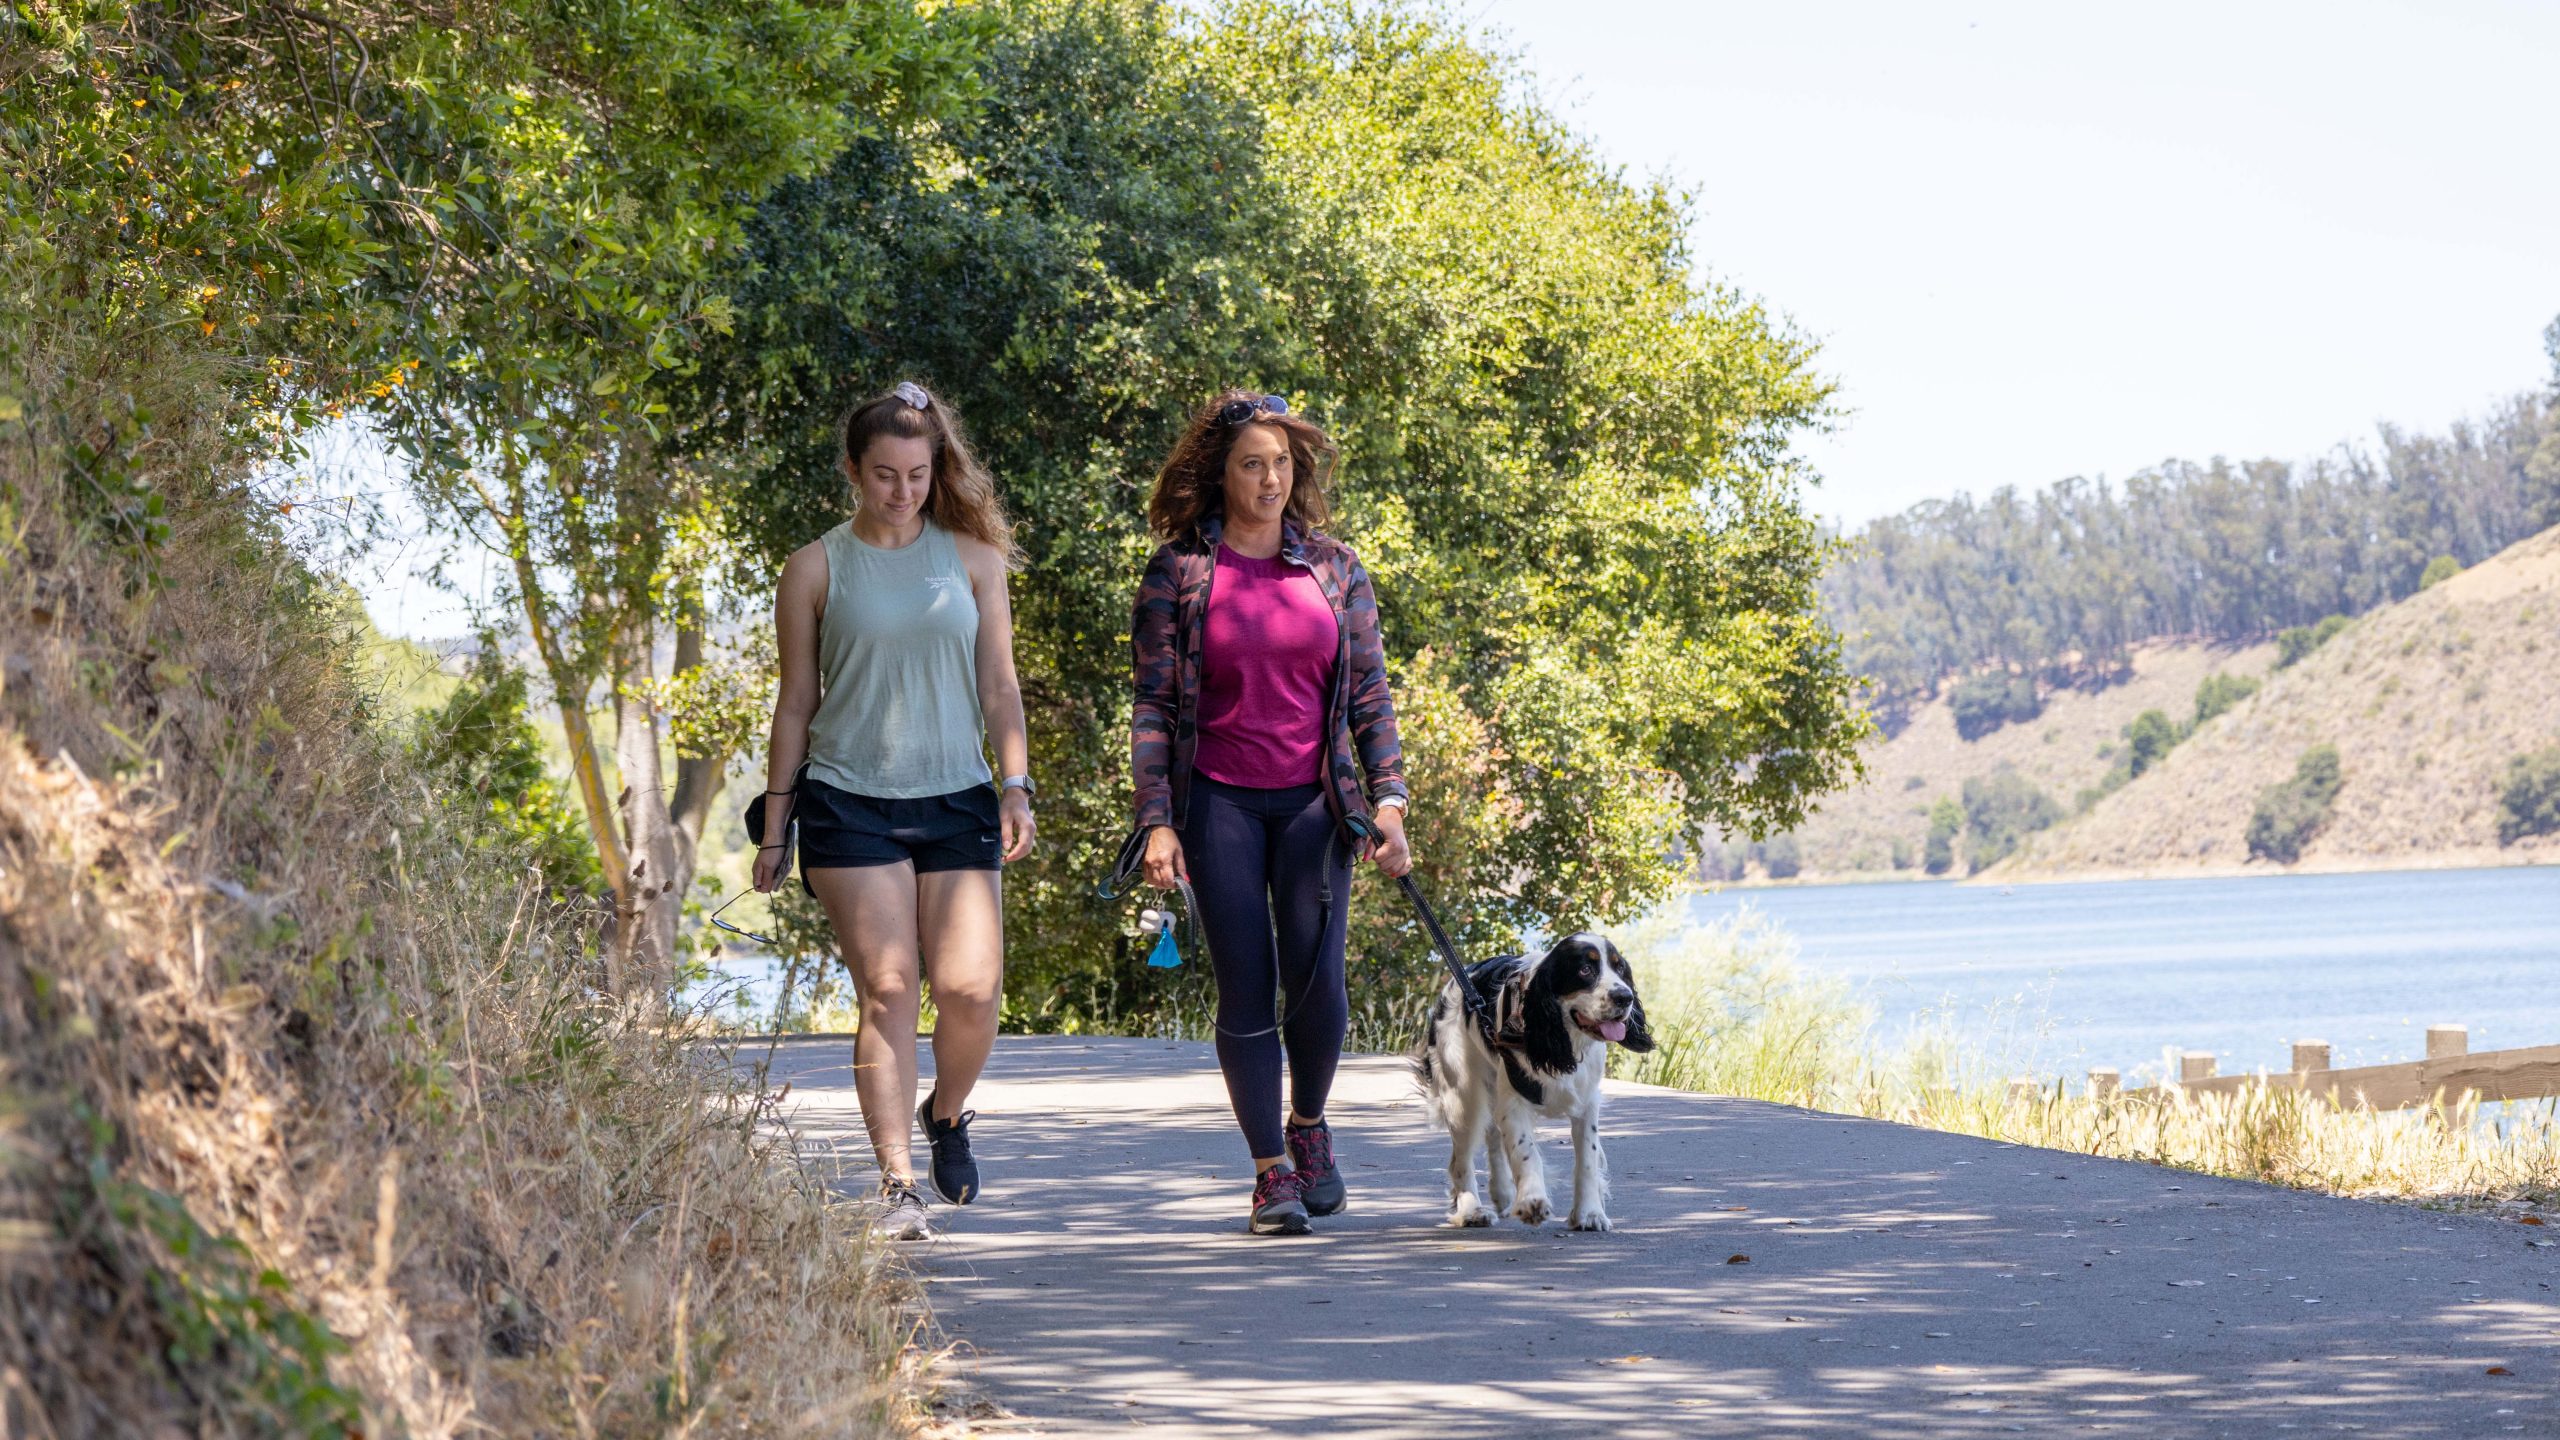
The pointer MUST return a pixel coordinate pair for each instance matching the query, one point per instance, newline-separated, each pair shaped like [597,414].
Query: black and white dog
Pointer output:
[1553,1022]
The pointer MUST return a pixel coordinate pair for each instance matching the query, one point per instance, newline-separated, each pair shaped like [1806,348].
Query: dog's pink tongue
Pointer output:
[1613,1029]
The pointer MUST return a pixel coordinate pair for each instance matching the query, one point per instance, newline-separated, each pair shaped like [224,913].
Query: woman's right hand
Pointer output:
[1164,858]
[769,871]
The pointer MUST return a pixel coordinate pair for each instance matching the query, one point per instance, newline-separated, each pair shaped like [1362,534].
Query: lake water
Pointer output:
[2056,978]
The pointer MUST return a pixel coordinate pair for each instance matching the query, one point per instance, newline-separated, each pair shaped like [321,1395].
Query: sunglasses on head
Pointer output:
[1236,412]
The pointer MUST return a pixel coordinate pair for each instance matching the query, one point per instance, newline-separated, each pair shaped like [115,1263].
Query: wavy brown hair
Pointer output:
[963,496]
[1192,481]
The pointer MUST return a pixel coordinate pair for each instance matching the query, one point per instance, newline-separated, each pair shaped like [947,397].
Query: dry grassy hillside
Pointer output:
[2426,700]
[1859,830]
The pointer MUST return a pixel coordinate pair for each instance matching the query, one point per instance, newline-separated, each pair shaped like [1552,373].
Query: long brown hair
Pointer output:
[1193,479]
[962,498]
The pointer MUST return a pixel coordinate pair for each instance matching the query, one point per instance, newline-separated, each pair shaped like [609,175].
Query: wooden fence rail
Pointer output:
[2449,1072]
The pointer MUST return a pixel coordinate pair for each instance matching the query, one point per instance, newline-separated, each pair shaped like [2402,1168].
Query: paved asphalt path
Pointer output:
[1897,1282]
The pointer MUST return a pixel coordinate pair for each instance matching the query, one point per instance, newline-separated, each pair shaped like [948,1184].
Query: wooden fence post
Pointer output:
[2104,1082]
[2195,1065]
[2310,1055]
[2444,1040]
[2023,1089]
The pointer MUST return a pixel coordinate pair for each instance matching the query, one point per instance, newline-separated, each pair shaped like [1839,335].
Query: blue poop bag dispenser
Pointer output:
[1167,952]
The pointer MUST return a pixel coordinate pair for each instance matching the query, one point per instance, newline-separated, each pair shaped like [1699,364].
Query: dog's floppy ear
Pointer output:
[1547,1037]
[1639,1034]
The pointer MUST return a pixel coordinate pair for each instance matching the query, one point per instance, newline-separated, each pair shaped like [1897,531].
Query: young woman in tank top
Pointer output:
[1265,752]
[896,643]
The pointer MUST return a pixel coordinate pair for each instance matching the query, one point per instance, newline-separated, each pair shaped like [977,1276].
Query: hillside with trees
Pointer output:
[2058,586]
[2030,656]
[2425,733]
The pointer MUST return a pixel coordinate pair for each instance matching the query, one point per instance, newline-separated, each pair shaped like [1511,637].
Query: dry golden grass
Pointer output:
[1733,1016]
[311,1121]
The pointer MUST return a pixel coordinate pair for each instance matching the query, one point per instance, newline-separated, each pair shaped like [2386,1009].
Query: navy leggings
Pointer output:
[1258,860]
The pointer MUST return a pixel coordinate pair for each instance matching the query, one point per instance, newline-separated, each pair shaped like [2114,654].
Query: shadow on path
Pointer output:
[1899,1282]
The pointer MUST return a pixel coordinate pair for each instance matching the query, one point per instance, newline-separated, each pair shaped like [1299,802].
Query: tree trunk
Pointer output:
[652,894]
[570,693]
[697,776]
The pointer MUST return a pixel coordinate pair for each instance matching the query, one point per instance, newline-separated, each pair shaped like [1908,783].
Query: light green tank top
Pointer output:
[898,710]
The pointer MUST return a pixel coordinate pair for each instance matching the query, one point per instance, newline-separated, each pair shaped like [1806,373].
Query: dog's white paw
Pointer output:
[1470,1212]
[1593,1218]
[1532,1210]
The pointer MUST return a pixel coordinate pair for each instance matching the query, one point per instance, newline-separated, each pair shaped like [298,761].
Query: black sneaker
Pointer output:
[1277,1209]
[955,1171]
[902,1215]
[1319,1181]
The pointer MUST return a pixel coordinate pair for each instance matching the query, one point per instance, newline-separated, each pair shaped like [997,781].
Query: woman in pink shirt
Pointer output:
[1266,758]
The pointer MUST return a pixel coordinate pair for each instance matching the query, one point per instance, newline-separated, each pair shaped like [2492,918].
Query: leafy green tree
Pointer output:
[1782,857]
[1566,454]
[482,752]
[2148,740]
[2439,570]
[2000,810]
[2290,812]
[582,234]
[2220,691]
[2529,796]
[1946,821]
[1987,702]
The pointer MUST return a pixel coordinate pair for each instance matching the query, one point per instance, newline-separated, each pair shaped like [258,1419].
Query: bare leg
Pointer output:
[873,910]
[963,932]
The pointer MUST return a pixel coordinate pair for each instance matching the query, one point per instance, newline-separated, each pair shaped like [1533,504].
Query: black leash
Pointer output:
[1468,995]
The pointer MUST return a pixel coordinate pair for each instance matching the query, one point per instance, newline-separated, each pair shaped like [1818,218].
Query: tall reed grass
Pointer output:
[1735,1015]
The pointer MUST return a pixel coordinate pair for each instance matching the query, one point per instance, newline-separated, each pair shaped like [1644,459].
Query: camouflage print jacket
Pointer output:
[1172,611]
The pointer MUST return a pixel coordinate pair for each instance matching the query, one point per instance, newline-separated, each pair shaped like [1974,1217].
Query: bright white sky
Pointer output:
[2042,239]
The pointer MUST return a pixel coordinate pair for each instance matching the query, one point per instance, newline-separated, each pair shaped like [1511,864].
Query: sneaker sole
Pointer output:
[1336,1208]
[1285,1225]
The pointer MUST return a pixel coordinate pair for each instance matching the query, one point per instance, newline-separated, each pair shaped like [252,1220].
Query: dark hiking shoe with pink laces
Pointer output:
[1277,1207]
[1319,1181]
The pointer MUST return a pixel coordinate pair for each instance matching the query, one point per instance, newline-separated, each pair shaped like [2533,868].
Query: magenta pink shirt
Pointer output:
[1267,650]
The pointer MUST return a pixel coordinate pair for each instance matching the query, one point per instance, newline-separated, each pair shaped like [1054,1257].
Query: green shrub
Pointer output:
[2290,812]
[1938,856]
[2148,740]
[2301,640]
[2000,810]
[2529,801]
[1987,702]
[482,754]
[2439,570]
[2220,692]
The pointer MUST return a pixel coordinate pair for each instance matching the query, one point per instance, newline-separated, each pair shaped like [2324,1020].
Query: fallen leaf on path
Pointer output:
[1737,1259]
[1628,1360]
[2530,1220]
[1746,1207]
[2498,1370]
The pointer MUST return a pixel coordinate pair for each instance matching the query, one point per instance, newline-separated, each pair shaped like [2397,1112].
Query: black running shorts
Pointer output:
[841,830]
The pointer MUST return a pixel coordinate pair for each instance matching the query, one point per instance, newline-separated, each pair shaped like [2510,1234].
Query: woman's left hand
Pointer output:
[1393,854]
[1014,814]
